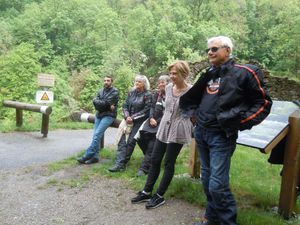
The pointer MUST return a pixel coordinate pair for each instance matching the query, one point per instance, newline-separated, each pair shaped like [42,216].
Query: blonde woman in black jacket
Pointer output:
[135,110]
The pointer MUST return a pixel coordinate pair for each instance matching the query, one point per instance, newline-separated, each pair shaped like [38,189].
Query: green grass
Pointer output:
[254,182]
[64,164]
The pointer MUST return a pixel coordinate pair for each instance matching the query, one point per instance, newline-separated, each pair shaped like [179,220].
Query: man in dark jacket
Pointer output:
[227,98]
[106,104]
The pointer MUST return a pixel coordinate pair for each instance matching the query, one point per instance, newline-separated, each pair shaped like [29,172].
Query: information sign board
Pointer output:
[262,135]
[46,80]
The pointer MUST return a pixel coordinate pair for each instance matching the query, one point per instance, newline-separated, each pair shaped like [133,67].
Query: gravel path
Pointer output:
[21,149]
[29,198]
[30,195]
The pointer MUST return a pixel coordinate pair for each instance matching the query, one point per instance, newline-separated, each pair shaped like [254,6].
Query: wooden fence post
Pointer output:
[291,166]
[45,124]
[19,117]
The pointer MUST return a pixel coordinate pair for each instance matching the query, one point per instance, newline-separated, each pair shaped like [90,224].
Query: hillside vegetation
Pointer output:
[80,41]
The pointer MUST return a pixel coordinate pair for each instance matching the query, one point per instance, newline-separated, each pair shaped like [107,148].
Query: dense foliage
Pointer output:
[79,41]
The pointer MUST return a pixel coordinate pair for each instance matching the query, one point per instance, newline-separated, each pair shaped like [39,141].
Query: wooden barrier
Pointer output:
[90,118]
[291,167]
[20,106]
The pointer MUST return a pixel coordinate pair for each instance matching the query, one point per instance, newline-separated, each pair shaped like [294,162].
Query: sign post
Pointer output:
[45,81]
[291,166]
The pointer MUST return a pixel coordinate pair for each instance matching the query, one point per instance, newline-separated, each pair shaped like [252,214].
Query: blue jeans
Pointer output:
[216,150]
[101,124]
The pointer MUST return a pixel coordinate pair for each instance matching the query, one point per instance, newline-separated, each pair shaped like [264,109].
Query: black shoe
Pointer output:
[82,159]
[141,197]
[155,202]
[91,161]
[116,168]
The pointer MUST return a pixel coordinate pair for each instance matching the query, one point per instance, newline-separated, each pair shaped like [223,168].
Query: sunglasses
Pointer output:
[215,49]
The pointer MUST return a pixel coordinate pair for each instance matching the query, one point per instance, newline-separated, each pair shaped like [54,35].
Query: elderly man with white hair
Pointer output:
[228,97]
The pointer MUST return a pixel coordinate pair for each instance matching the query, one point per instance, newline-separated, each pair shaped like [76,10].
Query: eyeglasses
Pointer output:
[215,49]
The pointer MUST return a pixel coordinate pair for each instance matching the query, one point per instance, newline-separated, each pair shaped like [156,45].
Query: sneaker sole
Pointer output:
[144,200]
[116,171]
[153,207]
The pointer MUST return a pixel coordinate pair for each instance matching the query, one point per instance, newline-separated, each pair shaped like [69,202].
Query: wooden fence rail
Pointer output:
[20,106]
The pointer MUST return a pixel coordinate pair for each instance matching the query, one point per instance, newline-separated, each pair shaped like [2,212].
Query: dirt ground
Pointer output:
[28,198]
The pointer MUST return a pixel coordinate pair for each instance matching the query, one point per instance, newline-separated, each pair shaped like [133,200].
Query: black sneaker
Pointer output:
[82,159]
[155,202]
[91,161]
[141,197]
[116,168]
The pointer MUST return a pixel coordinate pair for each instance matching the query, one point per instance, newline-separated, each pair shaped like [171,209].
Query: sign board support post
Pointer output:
[291,167]
[195,160]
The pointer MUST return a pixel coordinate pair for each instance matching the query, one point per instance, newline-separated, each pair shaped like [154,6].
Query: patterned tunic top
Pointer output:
[173,127]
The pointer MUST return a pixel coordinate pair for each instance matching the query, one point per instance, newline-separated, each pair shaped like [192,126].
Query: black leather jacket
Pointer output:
[105,98]
[243,100]
[156,112]
[137,105]
[158,106]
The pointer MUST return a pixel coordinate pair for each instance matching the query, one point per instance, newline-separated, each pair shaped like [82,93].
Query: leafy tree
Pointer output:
[6,37]
[124,81]
[11,8]
[18,75]
[284,36]
[92,84]
[80,41]
[64,100]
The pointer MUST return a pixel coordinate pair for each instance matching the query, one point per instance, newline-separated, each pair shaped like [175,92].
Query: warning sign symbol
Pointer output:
[45,97]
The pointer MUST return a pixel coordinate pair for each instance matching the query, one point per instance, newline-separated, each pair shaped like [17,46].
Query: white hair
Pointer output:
[144,79]
[165,78]
[225,41]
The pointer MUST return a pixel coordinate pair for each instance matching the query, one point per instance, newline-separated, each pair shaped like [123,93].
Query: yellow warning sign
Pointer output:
[45,97]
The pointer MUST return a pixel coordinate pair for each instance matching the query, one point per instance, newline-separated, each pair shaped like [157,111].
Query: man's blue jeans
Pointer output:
[101,124]
[215,155]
